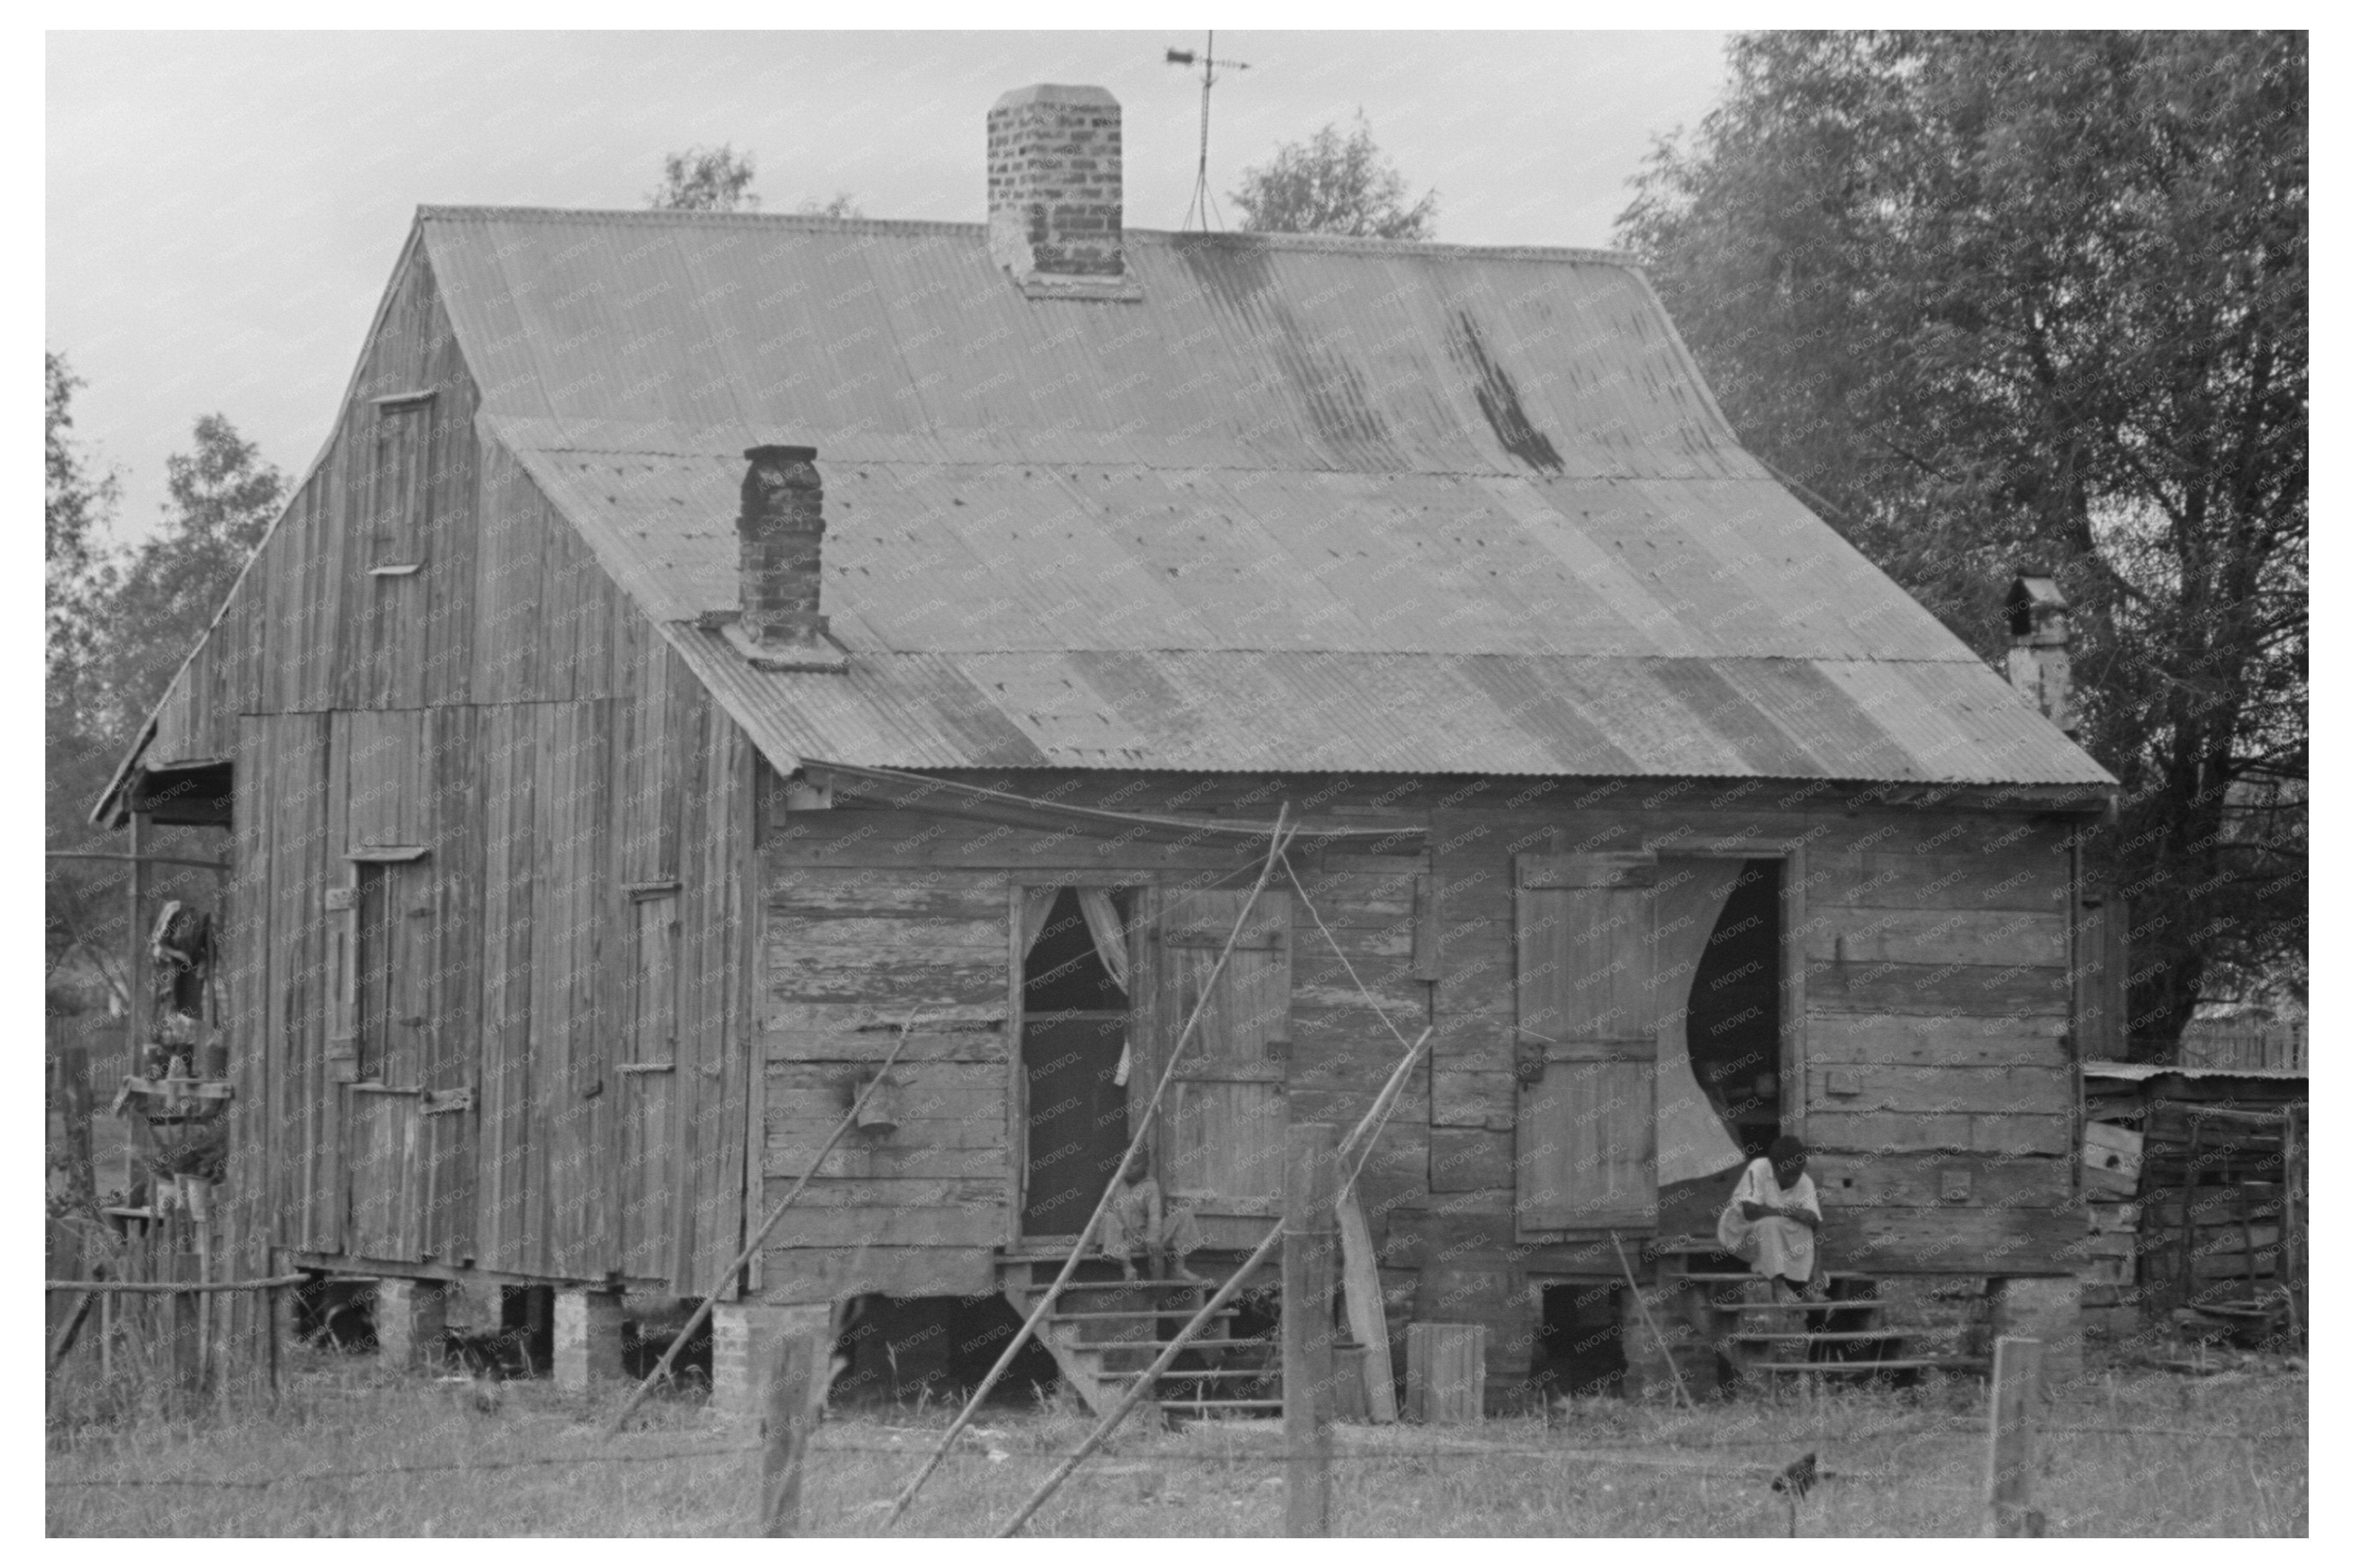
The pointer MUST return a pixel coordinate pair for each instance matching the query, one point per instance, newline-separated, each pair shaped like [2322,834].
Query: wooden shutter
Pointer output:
[1586,1052]
[647,1073]
[1223,1124]
[394,965]
[398,483]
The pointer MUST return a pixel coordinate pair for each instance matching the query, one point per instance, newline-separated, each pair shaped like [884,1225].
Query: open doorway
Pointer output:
[1074,1036]
[1733,1019]
[1721,930]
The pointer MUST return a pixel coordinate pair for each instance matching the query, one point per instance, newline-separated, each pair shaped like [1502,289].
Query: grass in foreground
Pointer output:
[353,1451]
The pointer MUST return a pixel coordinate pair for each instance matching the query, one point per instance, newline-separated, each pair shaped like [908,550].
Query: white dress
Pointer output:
[1773,1246]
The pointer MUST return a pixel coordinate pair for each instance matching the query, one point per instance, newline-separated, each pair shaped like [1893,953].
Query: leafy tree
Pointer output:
[843,204]
[1990,299]
[705,179]
[143,613]
[1332,184]
[79,501]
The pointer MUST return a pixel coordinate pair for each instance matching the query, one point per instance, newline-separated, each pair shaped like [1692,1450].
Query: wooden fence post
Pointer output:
[787,1415]
[2009,1449]
[1310,1237]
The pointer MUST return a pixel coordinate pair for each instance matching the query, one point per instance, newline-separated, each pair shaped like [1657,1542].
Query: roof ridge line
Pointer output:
[1337,244]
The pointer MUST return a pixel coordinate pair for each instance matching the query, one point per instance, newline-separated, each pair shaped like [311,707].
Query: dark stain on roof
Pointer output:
[1327,384]
[1500,400]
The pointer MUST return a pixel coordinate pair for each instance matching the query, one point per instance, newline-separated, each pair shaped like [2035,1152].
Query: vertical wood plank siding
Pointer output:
[506,709]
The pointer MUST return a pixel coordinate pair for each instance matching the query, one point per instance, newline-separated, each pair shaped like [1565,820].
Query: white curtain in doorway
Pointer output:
[1104,929]
[1693,1141]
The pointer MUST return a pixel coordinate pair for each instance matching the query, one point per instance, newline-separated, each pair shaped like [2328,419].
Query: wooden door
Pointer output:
[1221,1126]
[392,918]
[648,1071]
[1586,1050]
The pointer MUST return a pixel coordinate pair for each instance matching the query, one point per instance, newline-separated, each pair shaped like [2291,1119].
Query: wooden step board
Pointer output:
[1869,1369]
[1136,1314]
[1184,1406]
[1836,1336]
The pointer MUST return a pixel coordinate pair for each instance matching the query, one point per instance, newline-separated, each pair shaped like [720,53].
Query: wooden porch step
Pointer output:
[1153,1347]
[1743,1279]
[1864,1369]
[1133,1314]
[1858,1305]
[1837,1336]
[1179,1406]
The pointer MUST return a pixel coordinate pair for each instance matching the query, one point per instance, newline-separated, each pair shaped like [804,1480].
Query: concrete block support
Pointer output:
[409,1318]
[744,1339]
[2042,1308]
[588,1338]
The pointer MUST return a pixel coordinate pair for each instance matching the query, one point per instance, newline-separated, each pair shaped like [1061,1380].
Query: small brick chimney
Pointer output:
[2040,640]
[780,530]
[1054,192]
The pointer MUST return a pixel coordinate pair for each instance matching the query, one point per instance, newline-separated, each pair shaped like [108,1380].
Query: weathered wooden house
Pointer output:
[709,644]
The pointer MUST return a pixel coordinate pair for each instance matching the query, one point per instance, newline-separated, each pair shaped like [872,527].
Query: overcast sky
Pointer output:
[224,209]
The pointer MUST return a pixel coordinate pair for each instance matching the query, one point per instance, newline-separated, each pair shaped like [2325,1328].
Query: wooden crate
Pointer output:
[1446,1372]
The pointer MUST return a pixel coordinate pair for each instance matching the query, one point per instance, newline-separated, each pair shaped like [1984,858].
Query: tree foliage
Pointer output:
[705,179]
[842,204]
[1994,299]
[135,619]
[1332,184]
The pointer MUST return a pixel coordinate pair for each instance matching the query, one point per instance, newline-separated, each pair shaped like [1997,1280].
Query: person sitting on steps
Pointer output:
[1771,1219]
[1136,1222]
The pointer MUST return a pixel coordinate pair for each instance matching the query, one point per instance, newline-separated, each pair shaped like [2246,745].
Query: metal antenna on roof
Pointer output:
[1202,205]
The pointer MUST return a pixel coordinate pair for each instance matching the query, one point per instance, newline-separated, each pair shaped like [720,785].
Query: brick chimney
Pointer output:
[781,530]
[1054,192]
[2040,640]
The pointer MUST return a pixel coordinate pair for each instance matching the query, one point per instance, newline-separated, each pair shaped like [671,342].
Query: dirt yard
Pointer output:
[352,1451]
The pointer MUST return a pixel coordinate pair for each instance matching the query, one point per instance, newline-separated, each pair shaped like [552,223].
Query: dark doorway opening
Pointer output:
[1734,1013]
[1578,1353]
[1073,1033]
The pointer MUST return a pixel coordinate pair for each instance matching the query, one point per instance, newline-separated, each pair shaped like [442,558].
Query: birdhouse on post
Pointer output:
[2040,640]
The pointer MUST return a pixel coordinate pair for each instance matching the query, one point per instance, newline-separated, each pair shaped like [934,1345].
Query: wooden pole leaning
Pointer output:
[2010,1434]
[1277,840]
[1368,1127]
[1310,1237]
[849,1119]
[788,1415]
[1666,1351]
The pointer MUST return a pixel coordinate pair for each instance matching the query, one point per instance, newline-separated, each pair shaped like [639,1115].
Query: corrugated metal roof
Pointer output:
[1309,506]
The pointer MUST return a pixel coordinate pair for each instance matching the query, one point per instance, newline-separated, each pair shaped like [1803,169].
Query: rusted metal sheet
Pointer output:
[1403,712]
[903,342]
[1308,505]
[975,558]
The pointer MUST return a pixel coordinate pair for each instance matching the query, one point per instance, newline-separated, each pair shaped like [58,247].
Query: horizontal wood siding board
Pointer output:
[952,977]
[2024,877]
[1897,1132]
[1994,1040]
[786,1042]
[1920,1180]
[1950,1240]
[1939,1088]
[831,1274]
[826,1226]
[862,893]
[1941,989]
[1990,937]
